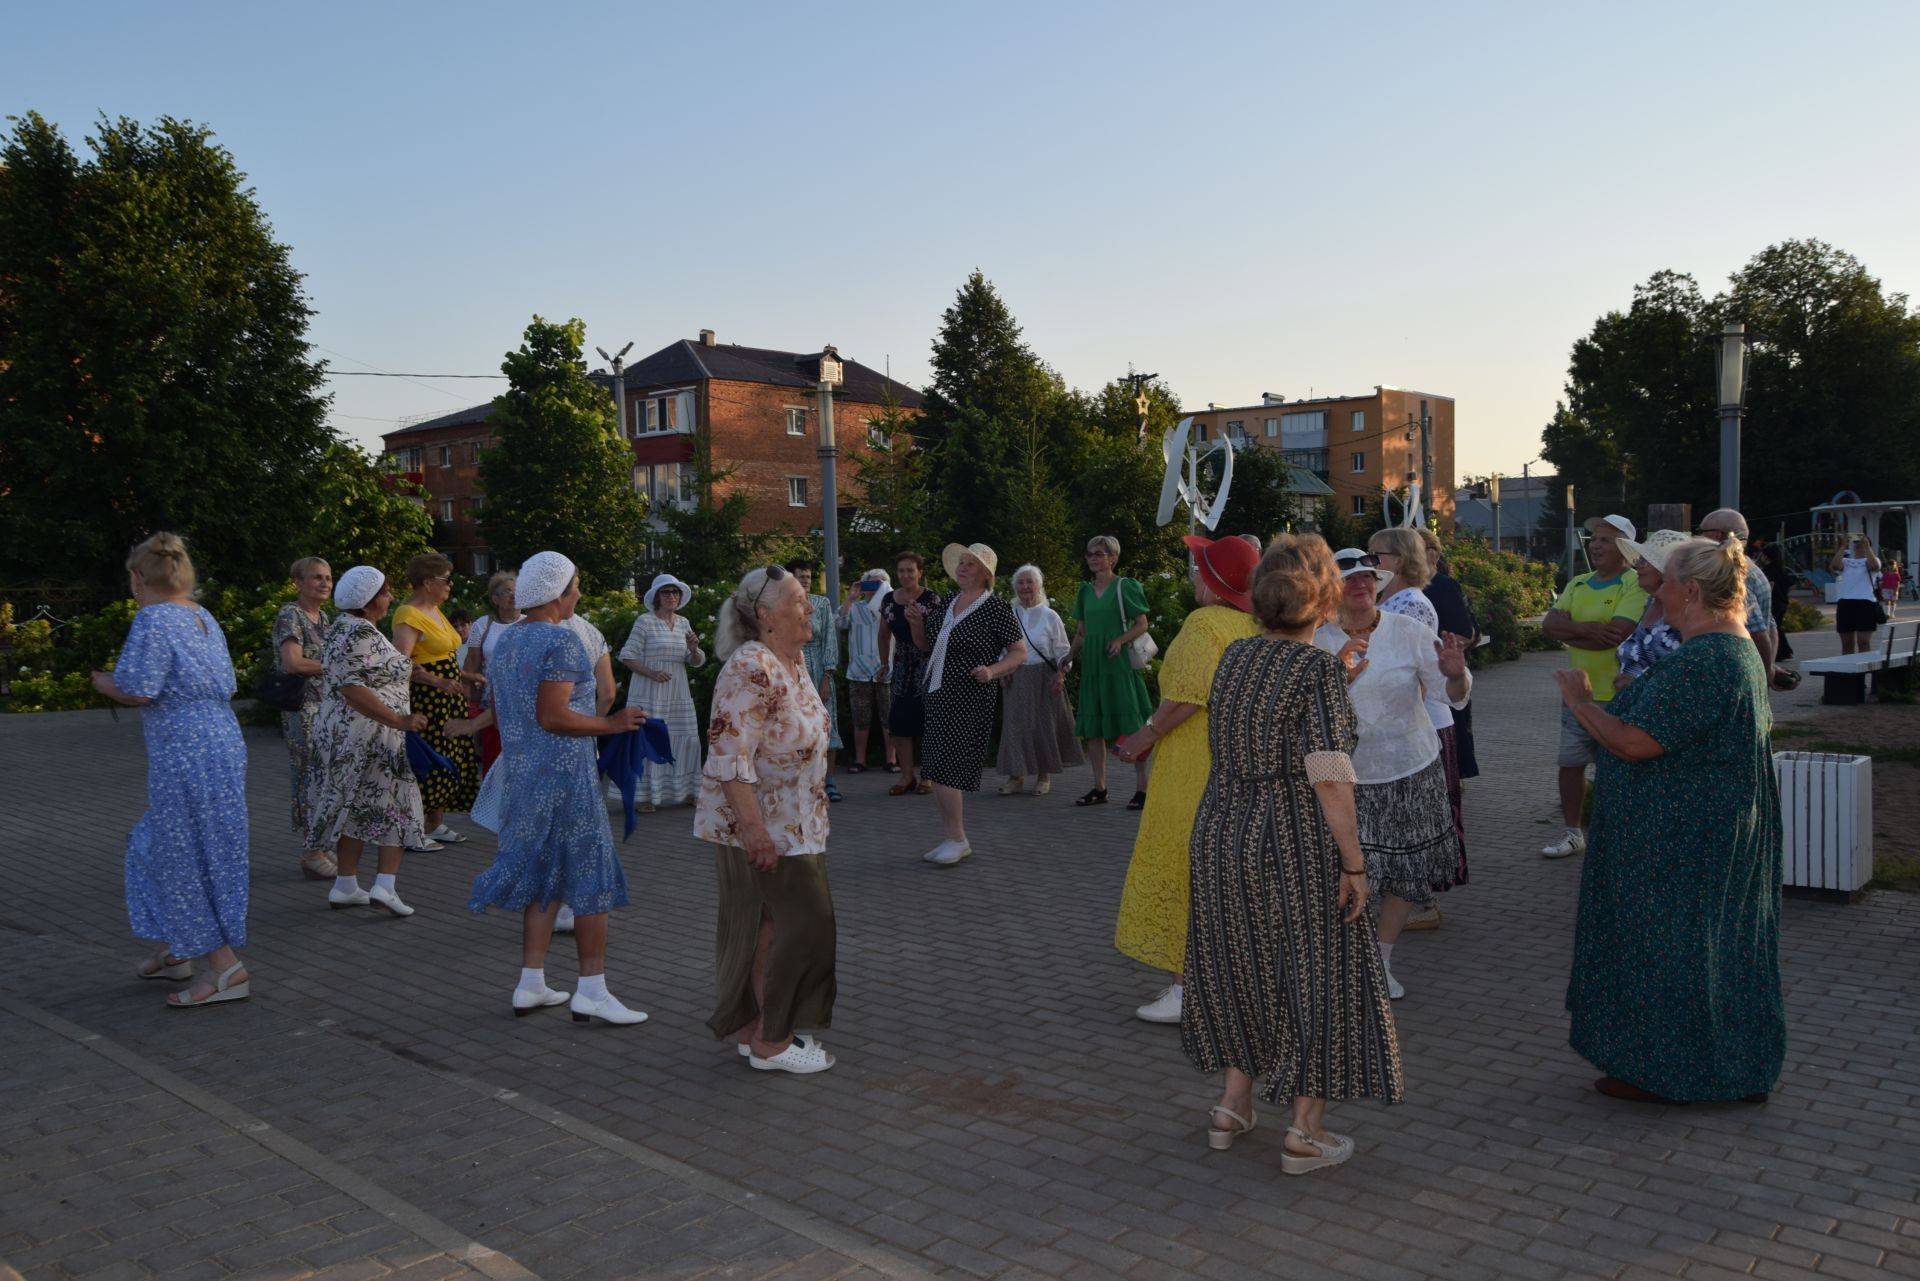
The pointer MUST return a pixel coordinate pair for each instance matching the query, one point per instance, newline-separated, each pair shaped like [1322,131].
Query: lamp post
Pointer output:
[618,363]
[1733,399]
[1493,501]
[832,374]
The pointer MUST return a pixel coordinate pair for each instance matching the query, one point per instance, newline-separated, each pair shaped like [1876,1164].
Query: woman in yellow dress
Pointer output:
[423,634]
[1153,908]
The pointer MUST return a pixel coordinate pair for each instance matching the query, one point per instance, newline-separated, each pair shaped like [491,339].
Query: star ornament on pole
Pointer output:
[1141,401]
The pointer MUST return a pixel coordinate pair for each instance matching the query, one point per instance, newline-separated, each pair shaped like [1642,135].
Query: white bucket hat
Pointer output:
[1351,560]
[542,579]
[665,580]
[1654,549]
[358,586]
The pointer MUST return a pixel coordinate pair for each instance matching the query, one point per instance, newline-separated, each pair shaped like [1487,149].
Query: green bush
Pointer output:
[1802,617]
[1505,591]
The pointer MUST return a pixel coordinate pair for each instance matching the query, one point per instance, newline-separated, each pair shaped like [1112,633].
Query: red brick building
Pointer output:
[756,405]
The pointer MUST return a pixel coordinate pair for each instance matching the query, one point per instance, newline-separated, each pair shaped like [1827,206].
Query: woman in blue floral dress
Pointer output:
[186,871]
[555,845]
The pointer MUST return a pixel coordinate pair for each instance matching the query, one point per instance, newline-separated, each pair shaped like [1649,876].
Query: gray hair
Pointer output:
[1039,581]
[739,621]
[1106,543]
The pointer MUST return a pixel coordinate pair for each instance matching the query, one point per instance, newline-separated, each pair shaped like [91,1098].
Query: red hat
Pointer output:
[1227,565]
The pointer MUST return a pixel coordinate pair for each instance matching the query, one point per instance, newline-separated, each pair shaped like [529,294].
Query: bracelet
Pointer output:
[1347,871]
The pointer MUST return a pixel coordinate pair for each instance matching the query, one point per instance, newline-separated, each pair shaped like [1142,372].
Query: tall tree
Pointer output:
[1112,477]
[366,516]
[1259,502]
[560,476]
[889,497]
[154,371]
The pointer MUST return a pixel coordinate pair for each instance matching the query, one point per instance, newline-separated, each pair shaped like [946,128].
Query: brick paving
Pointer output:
[997,1112]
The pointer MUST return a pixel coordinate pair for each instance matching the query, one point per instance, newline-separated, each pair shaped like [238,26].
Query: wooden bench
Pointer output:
[1846,674]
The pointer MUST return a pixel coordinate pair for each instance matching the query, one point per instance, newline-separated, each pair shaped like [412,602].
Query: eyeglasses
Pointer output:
[774,574]
[1347,563]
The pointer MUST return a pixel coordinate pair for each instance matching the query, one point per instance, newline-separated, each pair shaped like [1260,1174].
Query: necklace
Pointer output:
[1367,630]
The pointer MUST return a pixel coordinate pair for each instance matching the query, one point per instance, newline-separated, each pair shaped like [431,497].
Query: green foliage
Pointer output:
[560,476]
[154,372]
[364,516]
[1504,591]
[1259,503]
[1802,617]
[1112,478]
[890,496]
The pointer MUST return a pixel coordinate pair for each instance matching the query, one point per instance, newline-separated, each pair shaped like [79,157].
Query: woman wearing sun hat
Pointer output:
[659,650]
[1654,638]
[972,639]
[1152,927]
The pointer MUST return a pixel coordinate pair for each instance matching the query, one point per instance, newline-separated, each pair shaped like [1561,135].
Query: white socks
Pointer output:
[346,884]
[384,881]
[533,980]
[1386,956]
[1179,991]
[593,987]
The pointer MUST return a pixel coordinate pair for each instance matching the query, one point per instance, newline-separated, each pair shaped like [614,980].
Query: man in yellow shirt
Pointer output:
[1594,613]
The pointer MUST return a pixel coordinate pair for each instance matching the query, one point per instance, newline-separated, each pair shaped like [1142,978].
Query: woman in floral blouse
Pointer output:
[364,792]
[763,804]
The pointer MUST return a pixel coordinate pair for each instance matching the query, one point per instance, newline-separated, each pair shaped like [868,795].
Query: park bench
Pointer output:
[1846,674]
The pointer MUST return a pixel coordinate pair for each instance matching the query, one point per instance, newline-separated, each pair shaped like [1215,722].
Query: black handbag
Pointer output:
[276,688]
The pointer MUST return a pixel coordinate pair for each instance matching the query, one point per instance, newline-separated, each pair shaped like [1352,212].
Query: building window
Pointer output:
[796,491]
[1200,430]
[1359,420]
[407,459]
[1359,504]
[664,484]
[475,503]
[1313,420]
[443,455]
[1273,426]
[877,437]
[477,447]
[1359,461]
[1237,432]
[482,563]
[796,422]
[652,422]
[446,510]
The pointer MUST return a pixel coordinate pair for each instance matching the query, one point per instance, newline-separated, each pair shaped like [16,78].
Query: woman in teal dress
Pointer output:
[1108,614]
[1675,991]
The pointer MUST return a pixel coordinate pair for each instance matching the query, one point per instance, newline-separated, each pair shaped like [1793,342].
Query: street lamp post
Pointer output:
[1733,397]
[618,362]
[831,375]
[1493,501]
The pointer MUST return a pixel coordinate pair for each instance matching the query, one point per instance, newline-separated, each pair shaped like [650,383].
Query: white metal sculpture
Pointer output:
[1181,482]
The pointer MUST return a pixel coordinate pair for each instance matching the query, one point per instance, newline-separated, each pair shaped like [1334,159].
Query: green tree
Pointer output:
[154,372]
[1259,503]
[366,516]
[889,497]
[1113,478]
[560,476]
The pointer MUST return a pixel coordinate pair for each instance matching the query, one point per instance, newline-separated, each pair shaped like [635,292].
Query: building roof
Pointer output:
[690,361]
[1302,481]
[459,418]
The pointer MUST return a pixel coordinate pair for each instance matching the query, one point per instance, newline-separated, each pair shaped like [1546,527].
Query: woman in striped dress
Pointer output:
[660,649]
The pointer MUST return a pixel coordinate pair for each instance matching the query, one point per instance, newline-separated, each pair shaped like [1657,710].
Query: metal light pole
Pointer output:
[1573,539]
[831,376]
[1733,397]
[1426,464]
[1493,501]
[618,363]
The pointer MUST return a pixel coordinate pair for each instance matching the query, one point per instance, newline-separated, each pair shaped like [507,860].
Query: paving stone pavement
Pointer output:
[997,1111]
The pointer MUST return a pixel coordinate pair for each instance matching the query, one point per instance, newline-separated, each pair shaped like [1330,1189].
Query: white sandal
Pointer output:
[165,966]
[1334,1149]
[803,1058]
[221,991]
[1220,1140]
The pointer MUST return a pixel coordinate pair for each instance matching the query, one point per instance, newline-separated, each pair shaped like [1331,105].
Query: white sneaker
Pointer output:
[1394,990]
[945,854]
[563,920]
[803,1058]
[1164,1008]
[337,898]
[389,900]
[525,1002]
[1574,842]
[607,1009]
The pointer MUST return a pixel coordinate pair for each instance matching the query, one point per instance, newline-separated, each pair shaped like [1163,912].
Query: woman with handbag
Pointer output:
[1036,725]
[299,639]
[1110,642]
[971,640]
[501,614]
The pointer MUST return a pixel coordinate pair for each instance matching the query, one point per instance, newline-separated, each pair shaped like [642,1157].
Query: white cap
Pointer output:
[1621,525]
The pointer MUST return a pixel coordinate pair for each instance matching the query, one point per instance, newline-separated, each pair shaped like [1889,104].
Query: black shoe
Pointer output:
[1139,801]
[1098,796]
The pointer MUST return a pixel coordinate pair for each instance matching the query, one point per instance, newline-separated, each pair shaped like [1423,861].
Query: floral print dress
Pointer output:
[362,785]
[186,868]
[768,728]
[294,624]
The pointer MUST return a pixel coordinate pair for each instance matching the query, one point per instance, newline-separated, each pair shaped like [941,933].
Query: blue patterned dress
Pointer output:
[187,856]
[554,840]
[822,652]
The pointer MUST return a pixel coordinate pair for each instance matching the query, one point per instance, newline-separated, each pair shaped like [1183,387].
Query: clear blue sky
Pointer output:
[1243,198]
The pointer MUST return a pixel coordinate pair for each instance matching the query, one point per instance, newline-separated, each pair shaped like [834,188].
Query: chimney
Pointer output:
[706,337]
[1272,398]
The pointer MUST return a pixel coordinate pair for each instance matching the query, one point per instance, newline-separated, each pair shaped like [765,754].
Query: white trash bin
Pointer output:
[1826,820]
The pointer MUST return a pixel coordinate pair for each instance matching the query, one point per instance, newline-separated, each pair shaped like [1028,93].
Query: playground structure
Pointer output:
[1846,515]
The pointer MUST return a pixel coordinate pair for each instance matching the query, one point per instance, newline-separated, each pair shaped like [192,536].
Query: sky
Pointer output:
[1300,199]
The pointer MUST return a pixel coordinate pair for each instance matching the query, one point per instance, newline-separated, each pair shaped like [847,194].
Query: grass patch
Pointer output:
[1898,872]
[1904,755]
[1789,730]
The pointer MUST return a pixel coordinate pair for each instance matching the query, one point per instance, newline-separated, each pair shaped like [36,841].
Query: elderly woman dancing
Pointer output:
[299,638]
[1036,725]
[554,841]
[971,640]
[1675,990]
[763,805]
[186,859]
[1284,985]
[364,792]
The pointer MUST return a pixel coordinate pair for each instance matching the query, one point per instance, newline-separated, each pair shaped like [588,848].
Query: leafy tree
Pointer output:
[890,500]
[705,543]
[1259,503]
[560,477]
[364,515]
[1113,478]
[154,372]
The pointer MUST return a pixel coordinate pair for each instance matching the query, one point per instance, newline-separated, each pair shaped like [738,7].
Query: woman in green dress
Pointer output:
[1675,991]
[1109,614]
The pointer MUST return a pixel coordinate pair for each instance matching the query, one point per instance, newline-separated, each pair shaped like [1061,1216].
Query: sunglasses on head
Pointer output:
[1347,563]
[774,574]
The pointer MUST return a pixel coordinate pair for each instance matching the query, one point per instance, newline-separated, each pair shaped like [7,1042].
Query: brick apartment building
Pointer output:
[1359,445]
[757,406]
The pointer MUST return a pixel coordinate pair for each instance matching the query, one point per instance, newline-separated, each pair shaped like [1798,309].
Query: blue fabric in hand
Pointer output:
[624,757]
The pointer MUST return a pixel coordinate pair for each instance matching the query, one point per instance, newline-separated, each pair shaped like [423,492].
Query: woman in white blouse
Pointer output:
[659,650]
[763,805]
[1393,663]
[1036,725]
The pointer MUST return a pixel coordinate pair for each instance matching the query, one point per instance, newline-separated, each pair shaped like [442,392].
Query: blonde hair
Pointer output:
[740,621]
[1295,584]
[1410,548]
[1431,541]
[1106,543]
[163,564]
[306,565]
[1719,570]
